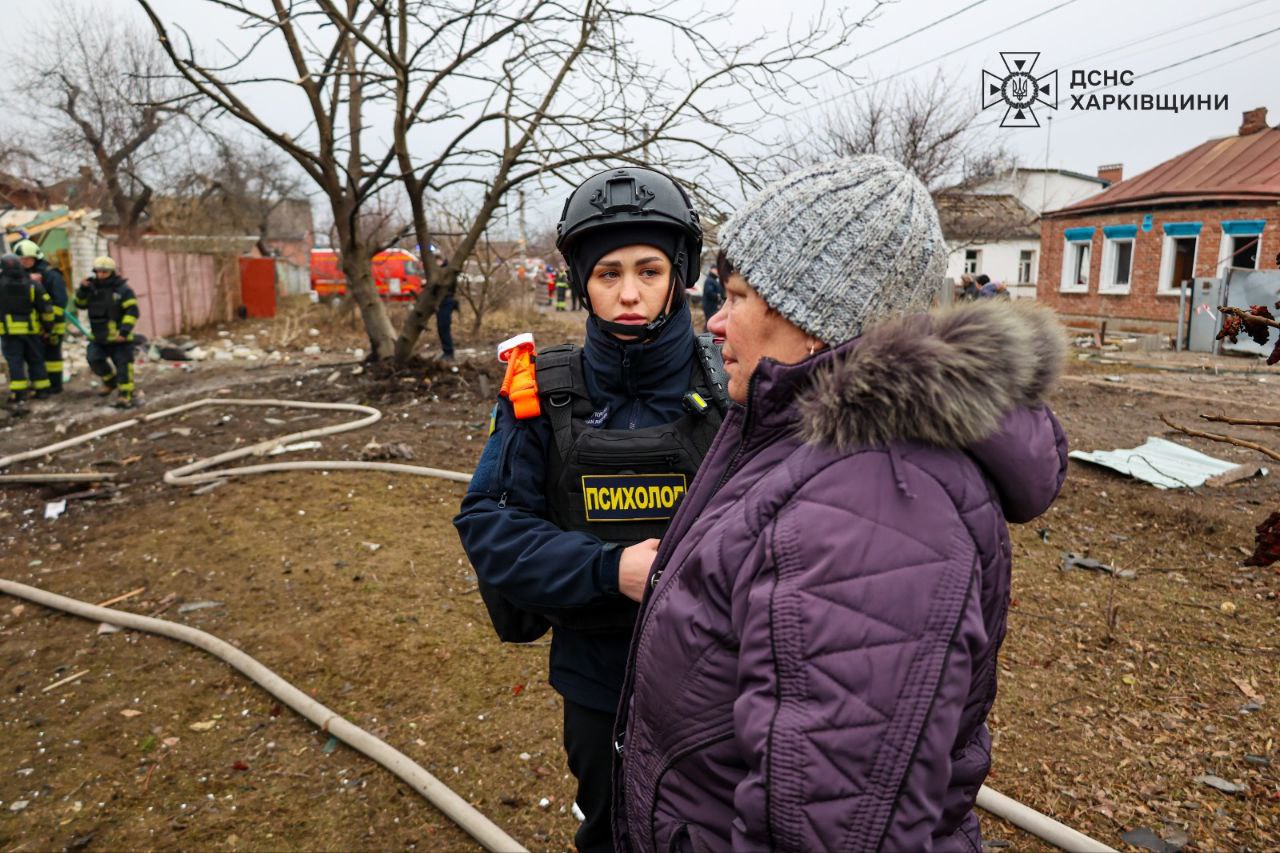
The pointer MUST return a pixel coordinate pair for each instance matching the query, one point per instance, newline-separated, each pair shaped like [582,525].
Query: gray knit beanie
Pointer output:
[839,244]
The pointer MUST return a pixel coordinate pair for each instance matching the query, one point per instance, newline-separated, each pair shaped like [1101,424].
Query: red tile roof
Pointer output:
[1237,168]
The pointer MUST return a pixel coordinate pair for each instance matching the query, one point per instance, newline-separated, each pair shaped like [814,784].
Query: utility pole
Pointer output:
[1044,178]
[524,234]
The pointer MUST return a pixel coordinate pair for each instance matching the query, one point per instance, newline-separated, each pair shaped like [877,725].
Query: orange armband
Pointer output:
[520,385]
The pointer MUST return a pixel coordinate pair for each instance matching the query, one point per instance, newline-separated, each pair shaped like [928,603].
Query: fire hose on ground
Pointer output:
[489,835]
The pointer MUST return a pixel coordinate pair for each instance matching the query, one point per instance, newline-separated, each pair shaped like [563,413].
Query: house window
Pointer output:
[1241,243]
[1244,251]
[1117,258]
[1026,266]
[972,261]
[1076,255]
[1178,255]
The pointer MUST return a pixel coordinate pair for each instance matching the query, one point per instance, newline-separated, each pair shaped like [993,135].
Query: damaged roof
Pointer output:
[970,216]
[1234,168]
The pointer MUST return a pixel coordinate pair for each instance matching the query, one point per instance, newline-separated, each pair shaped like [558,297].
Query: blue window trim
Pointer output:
[1120,232]
[1183,229]
[1079,235]
[1243,227]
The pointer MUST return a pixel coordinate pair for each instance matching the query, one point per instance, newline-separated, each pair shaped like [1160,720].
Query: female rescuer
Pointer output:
[564,511]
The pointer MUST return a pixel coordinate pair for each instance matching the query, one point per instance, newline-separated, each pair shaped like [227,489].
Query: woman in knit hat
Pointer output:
[563,514]
[816,652]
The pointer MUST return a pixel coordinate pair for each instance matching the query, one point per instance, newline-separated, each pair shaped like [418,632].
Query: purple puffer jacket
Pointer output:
[815,662]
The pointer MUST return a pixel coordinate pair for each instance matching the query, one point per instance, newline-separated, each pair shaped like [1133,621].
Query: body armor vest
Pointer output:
[19,313]
[621,485]
[105,310]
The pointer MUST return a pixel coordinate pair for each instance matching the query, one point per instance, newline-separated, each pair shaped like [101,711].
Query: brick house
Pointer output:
[1121,255]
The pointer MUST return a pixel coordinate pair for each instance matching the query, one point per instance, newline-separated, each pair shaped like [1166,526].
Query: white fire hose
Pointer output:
[453,806]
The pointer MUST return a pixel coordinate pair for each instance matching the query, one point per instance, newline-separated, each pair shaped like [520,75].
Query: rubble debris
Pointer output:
[1072,561]
[192,606]
[373,451]
[67,680]
[1220,784]
[108,628]
[53,509]
[1162,463]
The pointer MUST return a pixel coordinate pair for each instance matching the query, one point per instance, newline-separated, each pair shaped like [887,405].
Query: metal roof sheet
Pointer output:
[1161,463]
[1233,168]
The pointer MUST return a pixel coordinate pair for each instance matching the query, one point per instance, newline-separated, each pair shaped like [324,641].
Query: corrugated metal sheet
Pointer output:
[1161,463]
[1237,168]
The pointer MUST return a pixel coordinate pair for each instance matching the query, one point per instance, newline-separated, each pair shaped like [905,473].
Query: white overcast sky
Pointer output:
[1106,34]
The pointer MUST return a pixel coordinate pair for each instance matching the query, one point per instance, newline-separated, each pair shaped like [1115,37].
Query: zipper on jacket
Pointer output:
[612,461]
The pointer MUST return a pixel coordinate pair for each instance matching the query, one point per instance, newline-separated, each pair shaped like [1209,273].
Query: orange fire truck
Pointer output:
[397,273]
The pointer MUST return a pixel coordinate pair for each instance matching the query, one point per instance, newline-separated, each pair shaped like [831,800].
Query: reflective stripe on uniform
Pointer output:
[19,384]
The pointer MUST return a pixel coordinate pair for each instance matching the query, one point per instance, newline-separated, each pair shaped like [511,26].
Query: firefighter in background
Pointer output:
[570,496]
[113,312]
[50,278]
[25,311]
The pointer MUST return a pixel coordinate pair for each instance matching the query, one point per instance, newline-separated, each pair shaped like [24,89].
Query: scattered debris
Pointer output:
[203,725]
[1220,784]
[372,546]
[1164,464]
[18,609]
[1072,560]
[122,597]
[544,803]
[182,431]
[192,606]
[330,745]
[311,350]
[19,805]
[108,628]
[53,509]
[373,451]
[1257,760]
[67,680]
[131,712]
[1147,839]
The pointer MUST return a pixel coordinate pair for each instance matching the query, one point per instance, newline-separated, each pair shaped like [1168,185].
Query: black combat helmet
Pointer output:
[638,198]
[11,265]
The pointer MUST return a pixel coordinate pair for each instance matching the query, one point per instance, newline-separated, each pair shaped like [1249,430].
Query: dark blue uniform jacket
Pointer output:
[503,521]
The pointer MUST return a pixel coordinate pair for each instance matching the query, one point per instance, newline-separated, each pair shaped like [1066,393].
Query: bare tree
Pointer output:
[234,187]
[921,126]
[105,110]
[490,96]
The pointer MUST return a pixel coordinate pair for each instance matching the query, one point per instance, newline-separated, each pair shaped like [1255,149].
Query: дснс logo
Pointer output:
[1019,89]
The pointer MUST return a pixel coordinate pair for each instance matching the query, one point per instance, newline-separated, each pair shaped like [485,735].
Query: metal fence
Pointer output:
[177,291]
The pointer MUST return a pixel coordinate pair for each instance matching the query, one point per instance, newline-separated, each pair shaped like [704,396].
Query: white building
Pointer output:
[993,227]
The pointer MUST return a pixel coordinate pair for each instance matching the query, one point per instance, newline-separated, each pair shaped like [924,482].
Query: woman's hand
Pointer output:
[634,566]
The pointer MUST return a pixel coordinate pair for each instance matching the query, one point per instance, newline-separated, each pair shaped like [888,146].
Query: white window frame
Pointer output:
[1168,252]
[977,262]
[1225,253]
[1032,266]
[1108,284]
[1068,283]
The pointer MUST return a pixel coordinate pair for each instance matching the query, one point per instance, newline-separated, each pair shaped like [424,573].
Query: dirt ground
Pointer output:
[1116,692]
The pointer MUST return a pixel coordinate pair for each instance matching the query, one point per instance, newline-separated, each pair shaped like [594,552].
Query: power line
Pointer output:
[1216,15]
[898,40]
[929,61]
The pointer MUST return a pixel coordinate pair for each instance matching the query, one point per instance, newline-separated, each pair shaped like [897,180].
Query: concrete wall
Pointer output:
[1144,307]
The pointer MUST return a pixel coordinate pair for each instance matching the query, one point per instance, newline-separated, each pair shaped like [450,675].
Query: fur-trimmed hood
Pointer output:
[946,378]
